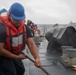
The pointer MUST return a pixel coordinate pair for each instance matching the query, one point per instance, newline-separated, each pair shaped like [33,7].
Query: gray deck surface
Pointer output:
[49,62]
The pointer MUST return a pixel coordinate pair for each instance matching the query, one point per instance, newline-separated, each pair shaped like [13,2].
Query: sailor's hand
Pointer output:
[37,62]
[21,56]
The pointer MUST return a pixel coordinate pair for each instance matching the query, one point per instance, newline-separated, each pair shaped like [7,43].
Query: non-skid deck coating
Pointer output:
[49,62]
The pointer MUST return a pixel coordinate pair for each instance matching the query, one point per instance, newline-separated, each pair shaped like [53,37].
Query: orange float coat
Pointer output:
[37,32]
[15,38]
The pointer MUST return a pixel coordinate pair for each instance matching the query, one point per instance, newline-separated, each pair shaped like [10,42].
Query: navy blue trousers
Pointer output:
[11,67]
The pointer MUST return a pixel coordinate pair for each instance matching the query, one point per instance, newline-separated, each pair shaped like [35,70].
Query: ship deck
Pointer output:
[50,62]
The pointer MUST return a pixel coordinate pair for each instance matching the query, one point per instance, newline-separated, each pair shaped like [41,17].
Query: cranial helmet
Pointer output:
[17,11]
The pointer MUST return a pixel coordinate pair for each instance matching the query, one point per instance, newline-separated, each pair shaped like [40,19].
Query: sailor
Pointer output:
[14,35]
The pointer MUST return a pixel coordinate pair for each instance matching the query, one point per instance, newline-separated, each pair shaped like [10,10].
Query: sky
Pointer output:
[46,11]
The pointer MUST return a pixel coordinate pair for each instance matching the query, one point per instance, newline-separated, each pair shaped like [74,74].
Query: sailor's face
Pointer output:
[16,22]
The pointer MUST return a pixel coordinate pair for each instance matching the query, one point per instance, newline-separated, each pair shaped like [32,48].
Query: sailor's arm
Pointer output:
[34,51]
[6,53]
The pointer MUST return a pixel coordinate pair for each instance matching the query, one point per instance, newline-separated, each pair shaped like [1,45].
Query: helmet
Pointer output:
[29,22]
[32,23]
[17,11]
[3,10]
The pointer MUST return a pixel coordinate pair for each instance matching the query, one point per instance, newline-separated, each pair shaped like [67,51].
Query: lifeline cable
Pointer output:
[38,67]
